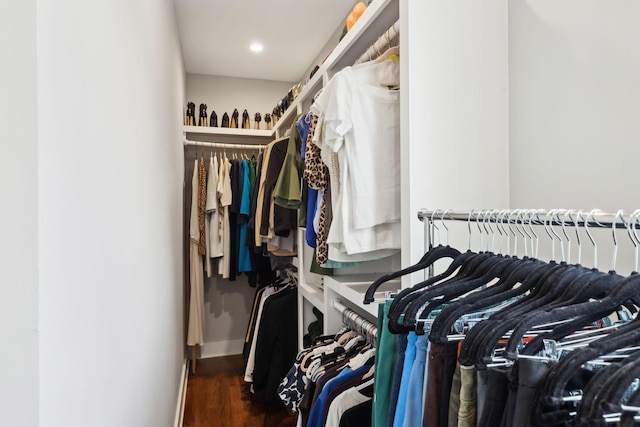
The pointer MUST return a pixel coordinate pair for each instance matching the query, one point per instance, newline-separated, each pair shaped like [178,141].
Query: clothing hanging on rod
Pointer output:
[330,382]
[384,42]
[510,338]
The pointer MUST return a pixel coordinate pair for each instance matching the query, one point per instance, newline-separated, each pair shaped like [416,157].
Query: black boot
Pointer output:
[234,119]
[191,114]
[225,120]
[246,123]
[213,122]
[203,115]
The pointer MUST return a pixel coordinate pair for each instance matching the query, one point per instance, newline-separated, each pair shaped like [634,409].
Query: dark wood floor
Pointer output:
[217,396]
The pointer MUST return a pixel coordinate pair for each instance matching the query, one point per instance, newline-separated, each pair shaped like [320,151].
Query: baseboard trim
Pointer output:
[182,394]
[222,348]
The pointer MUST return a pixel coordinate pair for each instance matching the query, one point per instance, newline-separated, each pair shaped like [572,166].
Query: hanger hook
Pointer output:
[434,225]
[504,215]
[444,225]
[469,226]
[484,225]
[556,218]
[516,220]
[564,231]
[614,225]
[500,229]
[534,247]
[488,220]
[523,222]
[633,219]
[591,214]
[479,225]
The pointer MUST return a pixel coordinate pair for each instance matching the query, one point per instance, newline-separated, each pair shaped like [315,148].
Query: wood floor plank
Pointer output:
[218,396]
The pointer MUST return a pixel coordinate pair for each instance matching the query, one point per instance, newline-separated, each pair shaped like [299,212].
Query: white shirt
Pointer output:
[359,122]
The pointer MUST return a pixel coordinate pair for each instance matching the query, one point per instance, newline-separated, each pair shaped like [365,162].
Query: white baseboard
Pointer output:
[182,394]
[222,348]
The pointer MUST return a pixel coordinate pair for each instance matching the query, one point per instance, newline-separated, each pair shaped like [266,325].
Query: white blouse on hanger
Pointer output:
[359,118]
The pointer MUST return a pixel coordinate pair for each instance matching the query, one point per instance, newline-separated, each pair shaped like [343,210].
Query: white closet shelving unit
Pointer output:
[313,291]
[454,130]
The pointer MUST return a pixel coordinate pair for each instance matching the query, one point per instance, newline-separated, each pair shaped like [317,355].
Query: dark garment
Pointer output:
[495,398]
[397,377]
[234,212]
[251,224]
[449,362]
[276,345]
[483,379]
[358,416]
[344,386]
[430,418]
[276,159]
[531,373]
[512,396]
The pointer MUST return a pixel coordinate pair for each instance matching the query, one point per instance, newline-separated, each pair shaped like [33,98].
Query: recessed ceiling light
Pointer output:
[256,47]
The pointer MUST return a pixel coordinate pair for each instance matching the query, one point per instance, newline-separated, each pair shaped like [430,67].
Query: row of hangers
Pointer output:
[551,304]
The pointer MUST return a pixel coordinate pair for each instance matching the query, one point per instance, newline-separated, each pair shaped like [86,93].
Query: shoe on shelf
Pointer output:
[267,121]
[191,114]
[246,123]
[257,119]
[203,115]
[234,119]
[213,121]
[225,121]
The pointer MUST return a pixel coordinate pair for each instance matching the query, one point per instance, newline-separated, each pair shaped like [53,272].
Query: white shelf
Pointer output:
[312,294]
[232,132]
[351,290]
[377,19]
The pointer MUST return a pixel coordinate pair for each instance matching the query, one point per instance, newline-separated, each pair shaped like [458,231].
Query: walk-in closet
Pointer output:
[341,213]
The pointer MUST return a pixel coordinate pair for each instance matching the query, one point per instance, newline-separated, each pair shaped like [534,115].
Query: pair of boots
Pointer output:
[246,123]
[213,120]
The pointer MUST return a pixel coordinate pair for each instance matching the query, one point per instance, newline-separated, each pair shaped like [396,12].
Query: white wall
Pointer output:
[110,86]
[455,112]
[18,215]
[574,102]
[223,94]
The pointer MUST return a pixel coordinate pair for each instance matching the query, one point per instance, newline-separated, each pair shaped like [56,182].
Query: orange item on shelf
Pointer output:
[355,14]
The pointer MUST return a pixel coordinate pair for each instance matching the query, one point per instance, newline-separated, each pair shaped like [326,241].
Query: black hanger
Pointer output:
[580,304]
[474,341]
[526,274]
[605,390]
[548,408]
[626,335]
[551,283]
[433,255]
[485,272]
[405,296]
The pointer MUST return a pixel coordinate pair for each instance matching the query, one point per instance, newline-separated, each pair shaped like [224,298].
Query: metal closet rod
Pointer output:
[591,218]
[383,42]
[361,321]
[188,143]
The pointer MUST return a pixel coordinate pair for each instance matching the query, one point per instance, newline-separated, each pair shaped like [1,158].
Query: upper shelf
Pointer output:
[229,131]
[376,19]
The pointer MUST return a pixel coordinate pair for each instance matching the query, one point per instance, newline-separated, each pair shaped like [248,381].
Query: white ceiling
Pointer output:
[216,34]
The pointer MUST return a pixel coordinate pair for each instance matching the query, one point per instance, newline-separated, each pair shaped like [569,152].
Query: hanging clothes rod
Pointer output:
[188,143]
[594,218]
[355,321]
[383,42]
